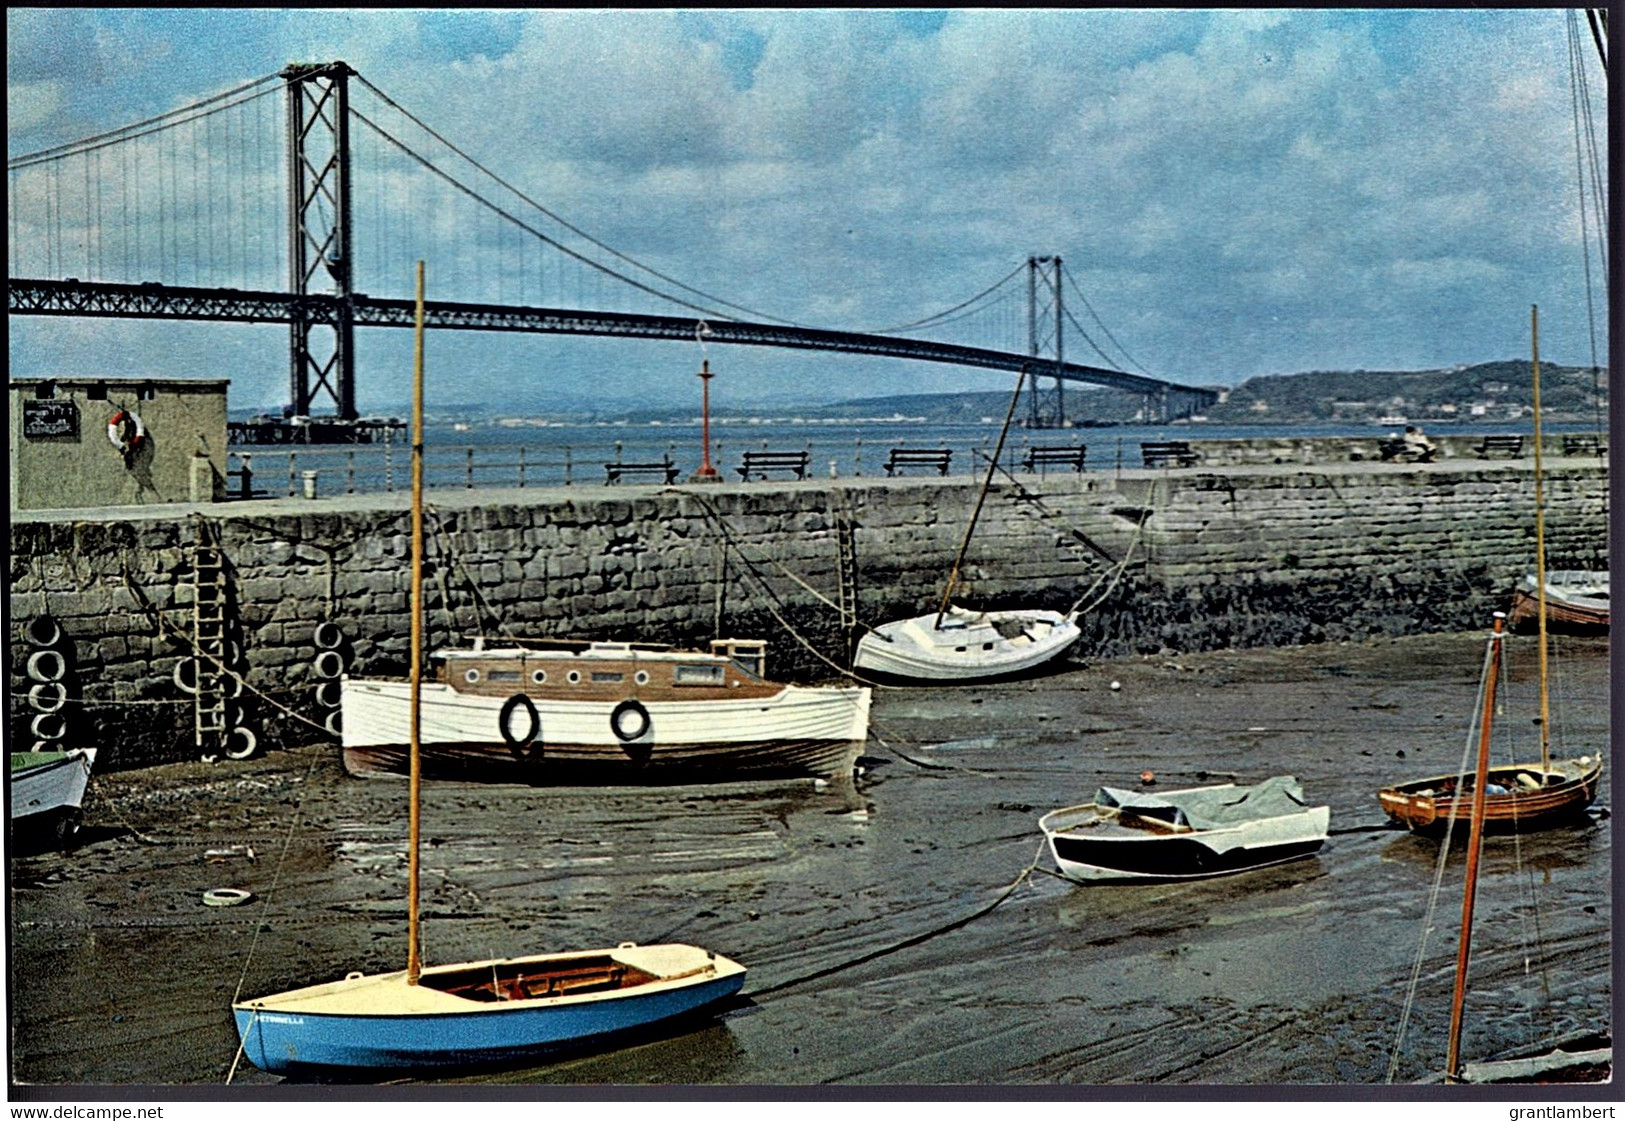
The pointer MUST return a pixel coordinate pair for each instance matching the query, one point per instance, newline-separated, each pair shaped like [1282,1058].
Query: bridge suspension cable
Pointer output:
[143,128]
[1129,358]
[944,315]
[561,221]
[522,224]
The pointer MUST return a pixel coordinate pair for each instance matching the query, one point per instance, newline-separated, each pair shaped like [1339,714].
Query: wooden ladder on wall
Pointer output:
[209,642]
[846,543]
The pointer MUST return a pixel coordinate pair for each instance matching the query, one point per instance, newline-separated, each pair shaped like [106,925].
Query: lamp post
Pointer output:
[706,471]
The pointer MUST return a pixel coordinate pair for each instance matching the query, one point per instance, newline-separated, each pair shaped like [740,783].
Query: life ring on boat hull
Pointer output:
[125,432]
[618,723]
[524,747]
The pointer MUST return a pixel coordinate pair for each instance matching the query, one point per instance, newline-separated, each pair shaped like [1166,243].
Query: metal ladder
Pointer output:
[209,641]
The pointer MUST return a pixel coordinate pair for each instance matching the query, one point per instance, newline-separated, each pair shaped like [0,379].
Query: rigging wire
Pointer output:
[1445,843]
[567,225]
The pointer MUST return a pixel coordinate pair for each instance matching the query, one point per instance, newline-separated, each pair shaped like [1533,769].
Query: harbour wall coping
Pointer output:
[1160,561]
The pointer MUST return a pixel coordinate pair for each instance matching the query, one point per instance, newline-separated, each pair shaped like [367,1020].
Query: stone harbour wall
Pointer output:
[1180,560]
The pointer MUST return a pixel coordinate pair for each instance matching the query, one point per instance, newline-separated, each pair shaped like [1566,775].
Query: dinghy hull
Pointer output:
[381,1022]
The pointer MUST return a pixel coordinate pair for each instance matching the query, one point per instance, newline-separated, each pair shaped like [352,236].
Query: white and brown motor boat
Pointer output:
[561,711]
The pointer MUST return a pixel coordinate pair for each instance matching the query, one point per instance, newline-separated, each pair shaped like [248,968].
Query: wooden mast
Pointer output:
[414,963]
[992,466]
[1540,551]
[1492,671]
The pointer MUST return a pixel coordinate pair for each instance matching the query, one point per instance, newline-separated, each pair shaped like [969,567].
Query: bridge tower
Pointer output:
[318,97]
[1046,408]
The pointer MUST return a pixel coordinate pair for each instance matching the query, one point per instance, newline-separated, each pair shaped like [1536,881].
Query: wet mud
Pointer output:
[895,928]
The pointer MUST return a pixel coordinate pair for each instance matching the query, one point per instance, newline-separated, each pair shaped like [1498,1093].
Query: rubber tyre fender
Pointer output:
[48,726]
[245,741]
[328,635]
[47,665]
[617,721]
[47,696]
[526,746]
[44,631]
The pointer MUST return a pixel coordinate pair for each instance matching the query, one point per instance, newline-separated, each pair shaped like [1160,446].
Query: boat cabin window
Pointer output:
[599,675]
[749,655]
[503,675]
[699,675]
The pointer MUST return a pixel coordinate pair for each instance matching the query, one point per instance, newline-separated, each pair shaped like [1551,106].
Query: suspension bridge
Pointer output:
[176,217]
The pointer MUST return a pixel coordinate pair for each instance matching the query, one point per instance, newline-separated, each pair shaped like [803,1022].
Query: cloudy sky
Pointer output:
[1235,193]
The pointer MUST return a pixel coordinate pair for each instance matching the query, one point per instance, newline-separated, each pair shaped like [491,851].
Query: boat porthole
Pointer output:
[538,677]
[472,676]
[225,897]
[573,677]
[641,677]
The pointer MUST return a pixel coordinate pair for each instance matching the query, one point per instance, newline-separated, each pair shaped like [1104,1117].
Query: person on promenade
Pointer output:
[1417,444]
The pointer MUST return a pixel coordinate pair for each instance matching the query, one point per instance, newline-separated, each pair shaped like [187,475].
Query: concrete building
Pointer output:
[87,442]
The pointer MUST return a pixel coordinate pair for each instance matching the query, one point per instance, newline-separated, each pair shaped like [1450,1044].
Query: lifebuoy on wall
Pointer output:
[626,731]
[125,432]
[523,746]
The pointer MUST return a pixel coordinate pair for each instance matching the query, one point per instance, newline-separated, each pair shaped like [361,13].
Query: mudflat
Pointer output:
[904,928]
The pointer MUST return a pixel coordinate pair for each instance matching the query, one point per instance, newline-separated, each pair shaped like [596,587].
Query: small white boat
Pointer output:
[48,787]
[1185,834]
[966,645]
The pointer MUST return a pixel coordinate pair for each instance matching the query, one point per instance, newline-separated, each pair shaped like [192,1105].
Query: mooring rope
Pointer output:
[918,939]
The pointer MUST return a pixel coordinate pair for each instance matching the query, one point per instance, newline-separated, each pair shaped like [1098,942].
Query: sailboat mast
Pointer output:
[1540,549]
[992,466]
[1475,844]
[414,963]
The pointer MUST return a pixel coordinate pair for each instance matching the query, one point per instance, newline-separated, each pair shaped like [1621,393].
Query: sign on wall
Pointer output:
[50,419]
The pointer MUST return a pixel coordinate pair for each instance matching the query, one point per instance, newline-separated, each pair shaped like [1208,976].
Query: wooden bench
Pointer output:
[936,458]
[759,463]
[1168,452]
[1583,443]
[614,472]
[1042,457]
[1509,446]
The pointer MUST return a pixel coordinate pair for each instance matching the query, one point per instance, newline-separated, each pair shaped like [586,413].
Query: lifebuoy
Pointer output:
[125,431]
[617,721]
[525,746]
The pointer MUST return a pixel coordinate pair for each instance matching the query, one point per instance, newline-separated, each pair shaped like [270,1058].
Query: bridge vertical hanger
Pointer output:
[1045,409]
[319,233]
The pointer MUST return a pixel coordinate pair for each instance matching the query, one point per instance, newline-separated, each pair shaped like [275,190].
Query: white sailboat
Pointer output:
[958,644]
[496,1011]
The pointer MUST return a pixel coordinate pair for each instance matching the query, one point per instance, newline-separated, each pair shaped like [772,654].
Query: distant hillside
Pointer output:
[1490,390]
